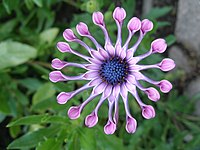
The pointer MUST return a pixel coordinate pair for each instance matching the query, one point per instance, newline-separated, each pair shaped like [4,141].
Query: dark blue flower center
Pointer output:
[114,70]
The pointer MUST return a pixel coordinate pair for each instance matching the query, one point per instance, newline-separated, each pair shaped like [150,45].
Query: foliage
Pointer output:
[29,31]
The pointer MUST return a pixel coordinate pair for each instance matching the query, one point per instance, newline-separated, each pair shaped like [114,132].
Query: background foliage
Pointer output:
[29,31]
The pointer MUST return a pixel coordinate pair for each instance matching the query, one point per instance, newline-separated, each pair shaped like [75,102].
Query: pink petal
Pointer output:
[115,93]
[116,90]
[116,113]
[119,14]
[58,64]
[137,75]
[92,67]
[63,97]
[134,24]
[94,82]
[123,90]
[95,61]
[68,34]
[146,26]
[74,112]
[167,64]
[110,49]
[135,67]
[82,29]
[110,127]
[165,86]
[133,61]
[99,88]
[123,54]
[153,94]
[56,76]
[107,91]
[97,55]
[63,47]
[91,120]
[118,49]
[91,74]
[129,54]
[131,79]
[148,112]
[104,53]
[131,87]
[97,18]
[159,45]
[131,125]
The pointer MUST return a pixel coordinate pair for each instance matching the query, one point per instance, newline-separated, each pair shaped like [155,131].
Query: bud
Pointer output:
[56,76]
[148,112]
[63,97]
[119,14]
[97,18]
[63,47]
[74,112]
[110,127]
[159,46]
[58,64]
[91,120]
[153,94]
[146,26]
[68,34]
[165,86]
[82,29]
[134,24]
[167,64]
[131,125]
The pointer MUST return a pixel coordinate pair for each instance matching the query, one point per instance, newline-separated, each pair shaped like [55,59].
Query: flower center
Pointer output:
[114,70]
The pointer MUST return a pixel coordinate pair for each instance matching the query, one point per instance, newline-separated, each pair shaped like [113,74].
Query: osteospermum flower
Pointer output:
[112,71]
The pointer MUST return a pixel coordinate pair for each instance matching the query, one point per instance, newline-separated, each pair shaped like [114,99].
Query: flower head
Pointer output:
[112,71]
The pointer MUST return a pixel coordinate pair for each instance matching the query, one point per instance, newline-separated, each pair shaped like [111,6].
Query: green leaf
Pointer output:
[50,144]
[129,10]
[38,119]
[29,4]
[40,69]
[32,139]
[8,26]
[110,142]
[90,6]
[15,53]
[163,24]
[10,5]
[87,139]
[193,126]
[30,83]
[48,104]
[38,3]
[14,131]
[22,98]
[170,39]
[44,92]
[194,143]
[158,12]
[4,107]
[49,35]
[73,142]
[2,117]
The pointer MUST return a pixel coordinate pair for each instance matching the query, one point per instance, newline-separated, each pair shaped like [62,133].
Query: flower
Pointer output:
[112,71]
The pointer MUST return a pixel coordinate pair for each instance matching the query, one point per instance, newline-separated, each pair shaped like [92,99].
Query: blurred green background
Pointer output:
[30,118]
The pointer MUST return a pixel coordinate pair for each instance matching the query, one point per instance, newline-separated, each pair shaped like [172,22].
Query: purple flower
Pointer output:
[112,71]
